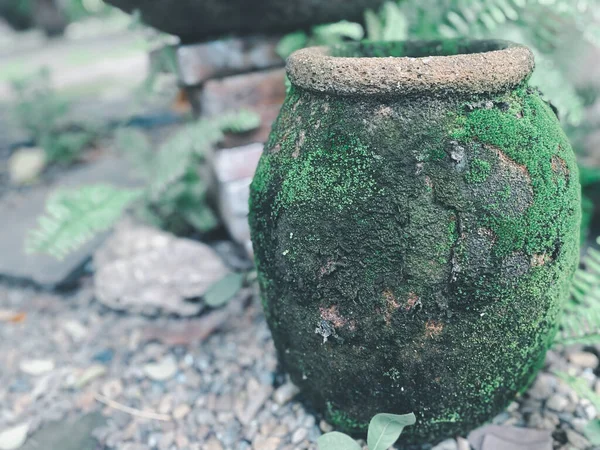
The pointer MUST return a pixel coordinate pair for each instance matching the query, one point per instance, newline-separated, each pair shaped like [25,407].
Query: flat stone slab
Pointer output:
[75,435]
[20,212]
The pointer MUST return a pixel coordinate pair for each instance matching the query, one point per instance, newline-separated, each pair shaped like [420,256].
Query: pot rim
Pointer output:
[454,66]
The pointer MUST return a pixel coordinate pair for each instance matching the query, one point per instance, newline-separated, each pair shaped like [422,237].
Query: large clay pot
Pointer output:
[196,19]
[415,220]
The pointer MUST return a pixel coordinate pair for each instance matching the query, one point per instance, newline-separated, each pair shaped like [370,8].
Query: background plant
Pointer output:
[43,112]
[174,195]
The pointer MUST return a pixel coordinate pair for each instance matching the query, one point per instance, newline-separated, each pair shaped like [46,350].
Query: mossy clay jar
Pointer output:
[415,219]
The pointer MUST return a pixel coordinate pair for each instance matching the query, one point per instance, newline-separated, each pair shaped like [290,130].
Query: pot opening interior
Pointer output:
[415,49]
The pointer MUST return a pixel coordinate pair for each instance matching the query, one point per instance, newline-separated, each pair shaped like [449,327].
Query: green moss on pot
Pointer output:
[414,237]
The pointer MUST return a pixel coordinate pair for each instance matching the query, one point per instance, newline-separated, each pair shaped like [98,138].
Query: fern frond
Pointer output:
[291,42]
[476,18]
[557,89]
[135,146]
[332,33]
[581,321]
[239,122]
[177,154]
[391,24]
[580,329]
[581,388]
[75,216]
[326,34]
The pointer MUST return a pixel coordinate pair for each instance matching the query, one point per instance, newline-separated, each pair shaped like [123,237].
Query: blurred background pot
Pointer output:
[415,220]
[196,19]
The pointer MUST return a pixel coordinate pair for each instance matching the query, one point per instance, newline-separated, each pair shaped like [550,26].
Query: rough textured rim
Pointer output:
[498,70]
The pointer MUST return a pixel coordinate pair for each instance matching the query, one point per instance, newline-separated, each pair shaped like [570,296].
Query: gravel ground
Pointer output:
[209,382]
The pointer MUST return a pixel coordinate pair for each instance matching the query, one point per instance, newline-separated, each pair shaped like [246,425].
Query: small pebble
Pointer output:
[161,370]
[181,411]
[285,393]
[557,403]
[448,444]
[299,435]
[462,444]
[325,427]
[263,443]
[36,367]
[584,359]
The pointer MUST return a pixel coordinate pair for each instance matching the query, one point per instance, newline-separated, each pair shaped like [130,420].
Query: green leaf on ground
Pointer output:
[337,441]
[224,290]
[592,432]
[385,429]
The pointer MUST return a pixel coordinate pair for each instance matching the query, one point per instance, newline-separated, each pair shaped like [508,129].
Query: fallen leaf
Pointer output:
[337,441]
[592,431]
[385,429]
[90,374]
[194,330]
[224,290]
[7,315]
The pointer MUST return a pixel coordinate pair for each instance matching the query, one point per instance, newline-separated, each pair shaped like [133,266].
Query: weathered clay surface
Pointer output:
[430,67]
[194,19]
[414,249]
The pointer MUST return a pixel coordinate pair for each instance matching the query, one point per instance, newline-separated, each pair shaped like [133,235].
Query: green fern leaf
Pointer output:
[290,43]
[332,33]
[75,216]
[581,388]
[179,152]
[396,23]
[581,321]
[135,146]
[373,25]
[239,122]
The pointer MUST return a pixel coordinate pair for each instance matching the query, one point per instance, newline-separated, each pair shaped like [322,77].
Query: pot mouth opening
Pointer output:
[407,67]
[416,49]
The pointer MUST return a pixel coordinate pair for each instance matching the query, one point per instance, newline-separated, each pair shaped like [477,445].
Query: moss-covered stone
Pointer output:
[414,251]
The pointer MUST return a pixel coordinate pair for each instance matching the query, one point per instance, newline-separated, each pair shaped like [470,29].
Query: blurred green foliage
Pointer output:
[43,112]
[173,197]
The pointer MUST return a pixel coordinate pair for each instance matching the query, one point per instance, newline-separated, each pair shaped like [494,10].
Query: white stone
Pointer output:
[162,370]
[14,438]
[76,330]
[26,164]
[36,367]
[299,435]
[285,393]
